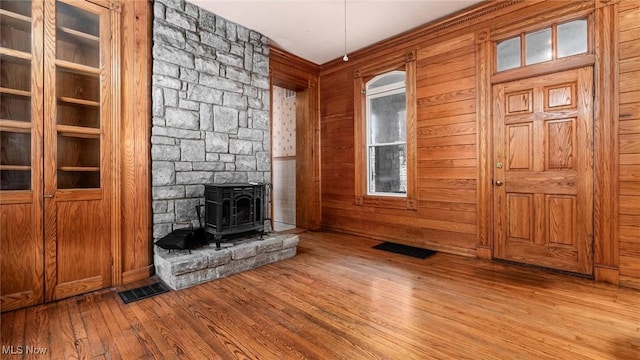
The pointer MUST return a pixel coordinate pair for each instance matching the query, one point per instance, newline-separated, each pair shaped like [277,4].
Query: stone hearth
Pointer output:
[180,270]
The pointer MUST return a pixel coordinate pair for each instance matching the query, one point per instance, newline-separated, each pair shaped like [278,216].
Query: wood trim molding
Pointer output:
[116,113]
[603,3]
[566,12]
[606,239]
[413,38]
[115,5]
[298,63]
[407,62]
[283,158]
[484,133]
[290,71]
[137,274]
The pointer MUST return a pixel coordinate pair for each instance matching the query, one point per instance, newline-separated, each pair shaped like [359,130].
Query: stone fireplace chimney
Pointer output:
[210,109]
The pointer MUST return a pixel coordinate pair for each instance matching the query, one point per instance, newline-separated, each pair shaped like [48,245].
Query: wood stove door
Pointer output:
[243,210]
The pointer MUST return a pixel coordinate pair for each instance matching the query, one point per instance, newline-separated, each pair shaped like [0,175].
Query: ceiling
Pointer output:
[315,29]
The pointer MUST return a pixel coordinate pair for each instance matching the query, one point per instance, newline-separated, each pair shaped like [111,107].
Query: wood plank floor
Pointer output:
[340,299]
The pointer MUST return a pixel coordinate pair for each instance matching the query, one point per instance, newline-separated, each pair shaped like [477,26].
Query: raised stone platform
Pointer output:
[180,270]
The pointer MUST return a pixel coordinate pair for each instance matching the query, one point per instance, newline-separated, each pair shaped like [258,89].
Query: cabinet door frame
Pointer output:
[108,195]
[32,198]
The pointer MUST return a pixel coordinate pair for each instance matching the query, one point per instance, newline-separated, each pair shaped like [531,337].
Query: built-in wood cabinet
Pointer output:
[59,110]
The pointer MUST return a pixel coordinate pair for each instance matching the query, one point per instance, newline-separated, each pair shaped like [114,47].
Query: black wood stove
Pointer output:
[234,209]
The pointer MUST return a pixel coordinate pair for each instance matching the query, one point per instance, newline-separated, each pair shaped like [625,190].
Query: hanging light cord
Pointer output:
[345,57]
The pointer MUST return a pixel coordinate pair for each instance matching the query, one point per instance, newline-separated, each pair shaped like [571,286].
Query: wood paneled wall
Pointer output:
[447,140]
[629,142]
[454,76]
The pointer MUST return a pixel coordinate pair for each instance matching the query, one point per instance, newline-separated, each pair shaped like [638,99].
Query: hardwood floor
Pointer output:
[340,299]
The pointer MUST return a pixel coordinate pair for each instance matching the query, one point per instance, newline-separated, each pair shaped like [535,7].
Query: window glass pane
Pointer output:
[387,118]
[538,46]
[388,169]
[391,78]
[572,38]
[509,54]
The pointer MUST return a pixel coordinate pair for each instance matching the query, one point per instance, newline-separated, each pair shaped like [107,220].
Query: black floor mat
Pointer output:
[142,292]
[407,250]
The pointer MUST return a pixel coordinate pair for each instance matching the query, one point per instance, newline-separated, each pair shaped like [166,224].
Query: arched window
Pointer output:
[384,129]
[386,134]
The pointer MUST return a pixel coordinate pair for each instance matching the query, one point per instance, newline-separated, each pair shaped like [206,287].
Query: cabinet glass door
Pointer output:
[78,127]
[77,152]
[15,95]
[21,166]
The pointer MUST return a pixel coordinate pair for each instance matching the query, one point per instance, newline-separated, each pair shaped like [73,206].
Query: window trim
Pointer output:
[382,91]
[407,63]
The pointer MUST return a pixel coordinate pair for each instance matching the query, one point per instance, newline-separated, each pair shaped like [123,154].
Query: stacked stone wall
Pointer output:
[210,109]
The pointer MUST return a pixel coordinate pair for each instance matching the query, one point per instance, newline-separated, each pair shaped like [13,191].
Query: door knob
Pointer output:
[499,183]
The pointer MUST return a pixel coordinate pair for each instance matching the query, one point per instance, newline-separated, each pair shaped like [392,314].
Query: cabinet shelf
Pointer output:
[15,167]
[15,53]
[15,126]
[93,39]
[82,102]
[4,90]
[15,20]
[72,67]
[79,168]
[78,131]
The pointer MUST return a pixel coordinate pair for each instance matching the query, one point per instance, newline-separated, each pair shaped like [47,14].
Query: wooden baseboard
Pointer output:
[428,245]
[484,252]
[629,281]
[137,274]
[17,300]
[606,274]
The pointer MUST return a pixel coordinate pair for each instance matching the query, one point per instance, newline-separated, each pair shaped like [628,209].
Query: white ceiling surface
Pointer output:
[315,29]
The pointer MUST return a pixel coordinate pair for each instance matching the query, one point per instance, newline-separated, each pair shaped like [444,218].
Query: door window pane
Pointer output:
[509,54]
[538,46]
[572,38]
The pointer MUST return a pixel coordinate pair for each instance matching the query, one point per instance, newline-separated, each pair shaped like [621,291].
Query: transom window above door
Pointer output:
[554,42]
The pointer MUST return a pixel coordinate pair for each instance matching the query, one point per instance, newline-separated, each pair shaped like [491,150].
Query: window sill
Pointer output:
[388,202]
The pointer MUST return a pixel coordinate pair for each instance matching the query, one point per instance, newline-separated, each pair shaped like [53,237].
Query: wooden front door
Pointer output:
[543,171]
[77,133]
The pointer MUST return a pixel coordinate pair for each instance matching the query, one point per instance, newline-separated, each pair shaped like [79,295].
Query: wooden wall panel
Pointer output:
[446,156]
[454,75]
[629,143]
[134,261]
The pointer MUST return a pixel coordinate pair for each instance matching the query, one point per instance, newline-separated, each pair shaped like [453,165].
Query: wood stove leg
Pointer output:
[217,239]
